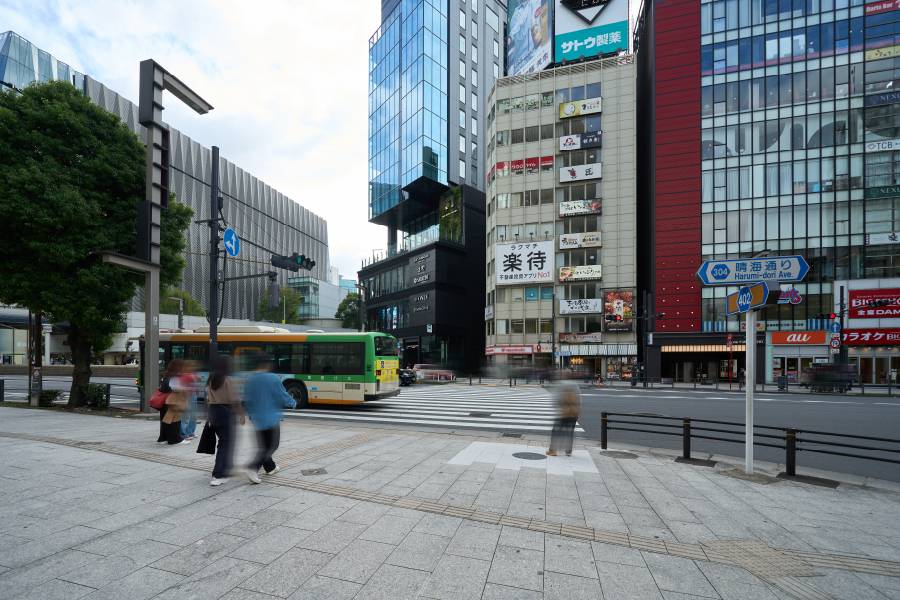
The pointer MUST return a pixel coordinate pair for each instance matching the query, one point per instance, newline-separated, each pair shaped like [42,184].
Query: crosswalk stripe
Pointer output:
[460,424]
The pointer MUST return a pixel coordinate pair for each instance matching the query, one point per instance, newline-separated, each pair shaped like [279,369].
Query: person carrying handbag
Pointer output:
[176,405]
[173,371]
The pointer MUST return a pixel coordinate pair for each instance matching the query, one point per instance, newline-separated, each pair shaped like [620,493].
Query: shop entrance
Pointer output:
[879,369]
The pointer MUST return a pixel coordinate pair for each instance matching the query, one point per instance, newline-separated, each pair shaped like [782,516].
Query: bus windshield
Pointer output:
[385,346]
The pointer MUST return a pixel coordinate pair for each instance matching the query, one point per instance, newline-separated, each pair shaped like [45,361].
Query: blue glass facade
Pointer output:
[407,101]
[22,63]
[799,143]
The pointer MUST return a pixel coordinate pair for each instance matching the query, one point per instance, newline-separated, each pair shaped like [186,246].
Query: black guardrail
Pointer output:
[789,439]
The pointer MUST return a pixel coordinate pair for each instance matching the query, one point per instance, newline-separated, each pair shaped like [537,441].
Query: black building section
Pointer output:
[701,357]
[431,297]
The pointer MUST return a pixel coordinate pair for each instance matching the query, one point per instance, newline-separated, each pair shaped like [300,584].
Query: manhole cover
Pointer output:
[512,435]
[529,455]
[479,414]
[618,454]
[319,471]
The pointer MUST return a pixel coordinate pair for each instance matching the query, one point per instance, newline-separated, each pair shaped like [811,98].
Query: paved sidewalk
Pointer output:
[92,507]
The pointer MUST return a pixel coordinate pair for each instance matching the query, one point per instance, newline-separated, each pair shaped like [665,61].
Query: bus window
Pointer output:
[189,351]
[337,358]
[385,346]
[299,358]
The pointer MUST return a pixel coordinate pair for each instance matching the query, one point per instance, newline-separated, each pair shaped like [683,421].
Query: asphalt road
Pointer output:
[875,416]
[856,415]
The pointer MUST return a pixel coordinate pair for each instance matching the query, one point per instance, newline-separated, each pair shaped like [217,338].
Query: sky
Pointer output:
[288,80]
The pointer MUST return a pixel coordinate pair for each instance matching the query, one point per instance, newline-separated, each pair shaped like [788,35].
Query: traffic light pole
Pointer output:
[842,351]
[213,314]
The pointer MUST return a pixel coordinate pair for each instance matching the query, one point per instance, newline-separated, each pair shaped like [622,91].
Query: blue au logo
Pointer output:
[720,271]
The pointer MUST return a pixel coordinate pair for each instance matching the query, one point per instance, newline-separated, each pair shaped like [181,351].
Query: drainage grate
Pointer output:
[618,454]
[529,455]
[513,435]
[479,414]
[319,471]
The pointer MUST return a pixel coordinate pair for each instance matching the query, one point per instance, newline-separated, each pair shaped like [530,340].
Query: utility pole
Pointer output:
[842,352]
[553,327]
[180,302]
[213,315]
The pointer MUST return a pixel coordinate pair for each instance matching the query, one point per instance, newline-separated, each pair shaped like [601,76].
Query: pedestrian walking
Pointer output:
[176,405]
[173,371]
[223,405]
[264,401]
[189,381]
[568,406]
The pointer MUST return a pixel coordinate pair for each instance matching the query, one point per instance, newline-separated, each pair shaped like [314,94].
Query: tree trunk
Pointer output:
[81,371]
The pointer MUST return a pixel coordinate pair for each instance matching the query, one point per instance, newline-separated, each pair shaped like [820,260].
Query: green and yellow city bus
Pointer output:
[316,368]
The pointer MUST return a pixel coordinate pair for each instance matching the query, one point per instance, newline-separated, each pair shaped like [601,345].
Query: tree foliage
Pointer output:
[72,176]
[288,307]
[348,311]
[192,306]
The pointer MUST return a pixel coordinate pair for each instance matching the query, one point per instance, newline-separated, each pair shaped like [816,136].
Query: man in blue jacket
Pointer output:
[264,401]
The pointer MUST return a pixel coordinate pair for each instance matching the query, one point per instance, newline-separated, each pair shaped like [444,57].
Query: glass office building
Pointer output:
[22,63]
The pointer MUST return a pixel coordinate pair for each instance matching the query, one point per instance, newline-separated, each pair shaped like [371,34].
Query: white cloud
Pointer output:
[288,80]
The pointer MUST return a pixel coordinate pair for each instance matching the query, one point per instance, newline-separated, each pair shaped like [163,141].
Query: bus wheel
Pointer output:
[298,391]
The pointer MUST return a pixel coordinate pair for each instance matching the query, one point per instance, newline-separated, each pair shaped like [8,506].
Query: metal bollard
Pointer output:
[2,389]
[470,380]
[790,452]
[108,396]
[686,439]
[603,432]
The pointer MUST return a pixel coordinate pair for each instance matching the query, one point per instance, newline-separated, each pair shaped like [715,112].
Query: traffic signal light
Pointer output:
[294,262]
[826,316]
[613,318]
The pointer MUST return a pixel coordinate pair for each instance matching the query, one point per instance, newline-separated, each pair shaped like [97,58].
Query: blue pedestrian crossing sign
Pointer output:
[232,242]
[766,268]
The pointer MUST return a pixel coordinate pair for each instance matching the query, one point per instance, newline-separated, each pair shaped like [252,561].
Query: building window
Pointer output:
[462,68]
[474,101]
[462,93]
[462,144]
[475,6]
[474,124]
[492,19]
[496,49]
[462,119]
[462,44]
[473,29]
[462,169]
[475,54]
[496,71]
[474,77]
[462,19]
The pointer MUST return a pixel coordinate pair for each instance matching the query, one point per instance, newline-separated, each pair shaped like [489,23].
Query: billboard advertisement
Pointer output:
[872,337]
[571,208]
[579,273]
[528,262]
[587,28]
[580,338]
[578,141]
[529,43]
[570,241]
[591,106]
[579,173]
[619,303]
[861,304]
[582,306]
[799,338]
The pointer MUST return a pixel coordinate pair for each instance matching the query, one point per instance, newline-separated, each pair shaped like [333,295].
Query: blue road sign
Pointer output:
[835,327]
[747,298]
[232,242]
[767,268]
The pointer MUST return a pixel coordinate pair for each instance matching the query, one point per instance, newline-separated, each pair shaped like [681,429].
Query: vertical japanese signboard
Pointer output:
[525,262]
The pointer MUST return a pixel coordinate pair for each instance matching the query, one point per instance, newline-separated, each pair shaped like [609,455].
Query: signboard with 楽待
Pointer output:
[523,263]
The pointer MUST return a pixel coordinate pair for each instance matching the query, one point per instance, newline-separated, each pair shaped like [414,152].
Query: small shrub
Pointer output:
[96,396]
[48,397]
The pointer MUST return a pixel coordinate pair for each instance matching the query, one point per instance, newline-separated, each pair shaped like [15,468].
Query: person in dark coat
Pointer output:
[224,404]
[173,370]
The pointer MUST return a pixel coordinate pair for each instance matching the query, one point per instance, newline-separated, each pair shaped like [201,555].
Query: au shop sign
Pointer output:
[579,173]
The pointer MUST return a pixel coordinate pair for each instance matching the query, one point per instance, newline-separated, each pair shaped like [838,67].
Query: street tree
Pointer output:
[168,306]
[288,308]
[72,178]
[348,311]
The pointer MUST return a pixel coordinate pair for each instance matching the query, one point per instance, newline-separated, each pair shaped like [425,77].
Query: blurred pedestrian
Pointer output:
[223,405]
[173,370]
[264,401]
[189,382]
[176,405]
[568,406]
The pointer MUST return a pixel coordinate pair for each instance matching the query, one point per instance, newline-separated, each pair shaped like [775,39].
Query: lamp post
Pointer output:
[180,302]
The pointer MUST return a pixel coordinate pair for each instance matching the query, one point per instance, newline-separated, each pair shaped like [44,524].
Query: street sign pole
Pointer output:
[750,383]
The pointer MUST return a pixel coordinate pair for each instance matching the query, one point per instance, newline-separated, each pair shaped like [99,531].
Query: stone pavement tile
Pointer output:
[258,523]
[136,515]
[333,537]
[492,591]
[241,508]
[678,575]
[101,571]
[572,557]
[365,513]
[457,578]
[324,588]
[393,583]
[559,586]
[846,586]
[521,538]
[15,581]
[315,517]
[617,554]
[529,510]
[889,586]
[18,556]
[627,582]
[287,573]
[297,502]
[358,561]
[190,559]
[56,589]
[474,541]
[242,594]
[605,521]
[389,529]
[213,581]
[270,545]
[518,567]
[691,533]
[121,538]
[140,585]
[147,551]
[195,530]
[735,583]
[442,525]
[31,528]
[678,596]
[419,551]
